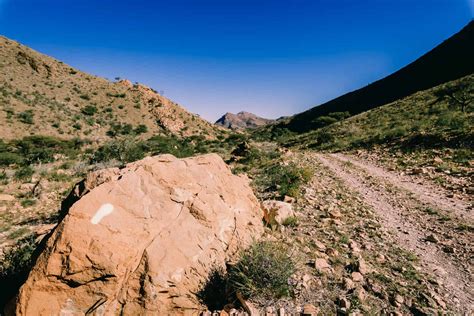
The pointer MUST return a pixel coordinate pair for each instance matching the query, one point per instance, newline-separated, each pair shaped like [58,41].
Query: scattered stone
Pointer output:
[289,199]
[270,311]
[362,266]
[449,249]
[348,284]
[354,246]
[332,252]
[322,265]
[344,303]
[7,197]
[357,277]
[335,214]
[361,294]
[397,300]
[276,211]
[380,258]
[320,245]
[281,312]
[310,310]
[249,307]
[437,160]
[432,238]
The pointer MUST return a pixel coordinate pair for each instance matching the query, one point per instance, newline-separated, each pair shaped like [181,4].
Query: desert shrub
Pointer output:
[291,221]
[262,271]
[85,97]
[24,173]
[15,264]
[77,126]
[26,117]
[170,145]
[330,119]
[116,95]
[121,150]
[28,202]
[140,129]
[35,149]
[287,178]
[119,129]
[89,110]
[8,158]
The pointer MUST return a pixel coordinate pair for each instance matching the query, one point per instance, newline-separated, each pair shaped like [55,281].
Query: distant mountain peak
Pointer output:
[242,120]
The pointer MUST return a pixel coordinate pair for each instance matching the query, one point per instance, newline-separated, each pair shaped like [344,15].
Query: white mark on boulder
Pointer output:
[102,212]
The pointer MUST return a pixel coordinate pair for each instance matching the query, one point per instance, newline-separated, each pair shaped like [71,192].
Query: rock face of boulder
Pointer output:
[143,239]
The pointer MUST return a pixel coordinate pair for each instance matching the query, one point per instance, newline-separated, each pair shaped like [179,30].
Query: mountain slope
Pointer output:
[426,119]
[448,61]
[242,120]
[42,96]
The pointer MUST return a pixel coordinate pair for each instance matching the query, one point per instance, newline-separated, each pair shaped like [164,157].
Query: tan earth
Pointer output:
[142,240]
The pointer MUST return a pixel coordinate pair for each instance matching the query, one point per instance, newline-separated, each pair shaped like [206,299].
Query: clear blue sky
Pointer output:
[269,57]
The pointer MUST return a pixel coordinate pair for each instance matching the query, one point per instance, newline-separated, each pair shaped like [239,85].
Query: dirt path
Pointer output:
[426,193]
[422,220]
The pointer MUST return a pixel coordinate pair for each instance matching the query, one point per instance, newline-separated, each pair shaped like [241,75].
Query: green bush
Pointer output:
[170,145]
[37,148]
[24,173]
[26,117]
[263,271]
[291,221]
[89,110]
[9,158]
[288,178]
[15,264]
[140,129]
[121,150]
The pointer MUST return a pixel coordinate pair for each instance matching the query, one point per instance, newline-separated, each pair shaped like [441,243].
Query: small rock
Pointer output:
[348,284]
[320,245]
[281,312]
[335,214]
[233,312]
[380,258]
[344,303]
[7,197]
[310,310]
[269,311]
[448,249]
[357,277]
[437,160]
[289,199]
[277,211]
[306,280]
[432,238]
[354,246]
[322,265]
[362,266]
[398,300]
[332,252]
[361,294]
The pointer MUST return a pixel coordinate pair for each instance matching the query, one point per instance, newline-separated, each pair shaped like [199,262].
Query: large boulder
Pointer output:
[143,239]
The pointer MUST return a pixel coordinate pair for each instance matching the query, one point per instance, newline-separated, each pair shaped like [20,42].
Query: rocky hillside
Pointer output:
[42,96]
[450,60]
[242,120]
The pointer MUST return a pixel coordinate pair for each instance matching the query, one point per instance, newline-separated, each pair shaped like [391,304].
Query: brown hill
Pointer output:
[41,95]
[450,60]
[242,120]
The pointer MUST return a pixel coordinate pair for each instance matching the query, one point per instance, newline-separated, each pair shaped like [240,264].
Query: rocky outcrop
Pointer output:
[142,240]
[242,120]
